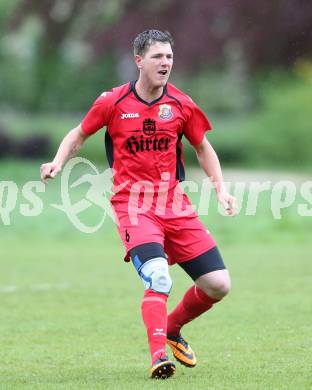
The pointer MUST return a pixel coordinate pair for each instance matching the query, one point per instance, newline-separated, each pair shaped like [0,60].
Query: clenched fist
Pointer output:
[49,171]
[228,202]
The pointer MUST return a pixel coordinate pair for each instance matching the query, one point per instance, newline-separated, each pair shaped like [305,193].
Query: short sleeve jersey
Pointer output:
[143,140]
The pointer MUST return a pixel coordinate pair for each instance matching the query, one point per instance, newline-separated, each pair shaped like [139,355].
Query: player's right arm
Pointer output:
[97,117]
[68,148]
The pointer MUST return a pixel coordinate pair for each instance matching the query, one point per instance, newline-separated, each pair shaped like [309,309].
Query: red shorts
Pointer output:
[174,225]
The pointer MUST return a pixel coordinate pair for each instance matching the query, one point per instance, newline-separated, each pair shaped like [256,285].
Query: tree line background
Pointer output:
[247,64]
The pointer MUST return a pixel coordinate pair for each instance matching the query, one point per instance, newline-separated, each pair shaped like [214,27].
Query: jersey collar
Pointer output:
[132,88]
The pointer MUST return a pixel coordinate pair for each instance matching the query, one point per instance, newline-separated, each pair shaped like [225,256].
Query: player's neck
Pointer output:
[148,92]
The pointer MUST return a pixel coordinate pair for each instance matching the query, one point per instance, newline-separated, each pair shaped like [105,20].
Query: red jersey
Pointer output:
[143,140]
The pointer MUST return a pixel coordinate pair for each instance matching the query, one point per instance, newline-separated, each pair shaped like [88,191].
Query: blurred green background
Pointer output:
[248,64]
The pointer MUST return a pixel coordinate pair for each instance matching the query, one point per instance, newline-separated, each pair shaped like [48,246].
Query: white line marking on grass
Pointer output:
[41,287]
[8,289]
[63,286]
[48,286]
[35,287]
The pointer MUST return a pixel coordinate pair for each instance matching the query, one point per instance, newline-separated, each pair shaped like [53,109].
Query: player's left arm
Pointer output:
[209,161]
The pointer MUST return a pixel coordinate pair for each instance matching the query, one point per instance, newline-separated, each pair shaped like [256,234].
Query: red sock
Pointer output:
[193,304]
[154,313]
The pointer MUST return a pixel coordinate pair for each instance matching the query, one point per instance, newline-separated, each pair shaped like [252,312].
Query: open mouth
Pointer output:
[163,72]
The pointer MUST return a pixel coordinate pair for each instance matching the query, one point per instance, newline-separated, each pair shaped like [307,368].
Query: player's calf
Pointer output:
[152,267]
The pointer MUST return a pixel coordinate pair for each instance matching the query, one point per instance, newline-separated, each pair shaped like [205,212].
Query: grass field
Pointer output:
[70,307]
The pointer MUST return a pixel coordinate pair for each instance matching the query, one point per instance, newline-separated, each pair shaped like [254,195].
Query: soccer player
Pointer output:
[145,122]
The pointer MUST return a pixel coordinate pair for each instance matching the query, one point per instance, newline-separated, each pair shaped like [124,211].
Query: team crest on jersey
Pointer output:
[165,111]
[149,126]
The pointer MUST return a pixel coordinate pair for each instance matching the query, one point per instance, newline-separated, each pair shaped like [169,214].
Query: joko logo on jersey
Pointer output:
[149,141]
[130,115]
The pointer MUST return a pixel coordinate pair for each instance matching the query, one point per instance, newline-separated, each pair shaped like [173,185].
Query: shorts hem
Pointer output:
[194,255]
[127,257]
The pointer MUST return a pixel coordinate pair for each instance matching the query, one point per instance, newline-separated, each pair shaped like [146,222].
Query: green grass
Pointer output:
[70,307]
[90,335]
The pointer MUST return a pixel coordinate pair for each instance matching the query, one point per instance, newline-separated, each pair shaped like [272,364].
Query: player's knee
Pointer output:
[155,275]
[222,288]
[161,281]
[218,288]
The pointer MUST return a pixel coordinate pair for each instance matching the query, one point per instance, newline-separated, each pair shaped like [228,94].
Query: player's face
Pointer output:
[155,65]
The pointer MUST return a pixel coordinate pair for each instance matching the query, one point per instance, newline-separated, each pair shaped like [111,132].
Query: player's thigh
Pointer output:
[146,229]
[209,273]
[186,238]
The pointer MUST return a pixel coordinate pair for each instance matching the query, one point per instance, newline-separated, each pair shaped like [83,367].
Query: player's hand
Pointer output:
[49,171]
[228,202]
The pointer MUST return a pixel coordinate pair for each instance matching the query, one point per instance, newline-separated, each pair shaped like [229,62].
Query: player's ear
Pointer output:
[138,61]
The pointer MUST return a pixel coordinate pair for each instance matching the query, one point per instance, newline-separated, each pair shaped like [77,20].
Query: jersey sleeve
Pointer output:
[196,124]
[99,114]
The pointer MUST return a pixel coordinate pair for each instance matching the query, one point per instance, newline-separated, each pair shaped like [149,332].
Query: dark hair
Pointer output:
[146,38]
